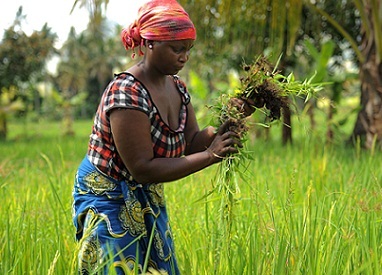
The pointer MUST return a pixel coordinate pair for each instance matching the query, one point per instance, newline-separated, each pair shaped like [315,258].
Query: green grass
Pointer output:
[301,209]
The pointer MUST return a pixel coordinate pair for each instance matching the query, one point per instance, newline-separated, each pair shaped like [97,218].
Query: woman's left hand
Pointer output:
[245,105]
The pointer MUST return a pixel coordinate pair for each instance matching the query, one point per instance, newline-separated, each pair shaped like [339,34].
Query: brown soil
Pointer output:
[260,85]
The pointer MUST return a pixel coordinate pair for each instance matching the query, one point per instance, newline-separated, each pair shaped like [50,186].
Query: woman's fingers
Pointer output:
[224,128]
[232,138]
[246,106]
[226,143]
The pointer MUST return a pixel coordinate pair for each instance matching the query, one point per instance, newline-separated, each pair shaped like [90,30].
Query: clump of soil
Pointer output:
[268,89]
[261,85]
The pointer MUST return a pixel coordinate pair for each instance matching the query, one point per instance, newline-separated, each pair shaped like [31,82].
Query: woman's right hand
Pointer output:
[225,142]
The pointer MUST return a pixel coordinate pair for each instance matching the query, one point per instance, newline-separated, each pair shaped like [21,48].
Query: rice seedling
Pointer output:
[270,92]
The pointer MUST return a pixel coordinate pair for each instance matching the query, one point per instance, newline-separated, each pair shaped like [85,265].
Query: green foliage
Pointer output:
[237,30]
[9,102]
[24,57]
[321,58]
[199,87]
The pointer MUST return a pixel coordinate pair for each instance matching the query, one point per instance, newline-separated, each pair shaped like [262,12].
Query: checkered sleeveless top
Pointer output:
[125,91]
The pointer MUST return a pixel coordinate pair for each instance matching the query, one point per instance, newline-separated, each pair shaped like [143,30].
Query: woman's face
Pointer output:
[169,57]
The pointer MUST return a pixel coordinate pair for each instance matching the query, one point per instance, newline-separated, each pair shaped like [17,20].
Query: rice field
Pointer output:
[303,209]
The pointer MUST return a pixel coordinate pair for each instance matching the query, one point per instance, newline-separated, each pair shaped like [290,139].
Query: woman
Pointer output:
[145,133]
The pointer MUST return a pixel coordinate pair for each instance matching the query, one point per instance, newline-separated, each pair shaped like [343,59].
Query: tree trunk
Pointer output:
[334,102]
[287,126]
[3,126]
[368,126]
[329,131]
[311,106]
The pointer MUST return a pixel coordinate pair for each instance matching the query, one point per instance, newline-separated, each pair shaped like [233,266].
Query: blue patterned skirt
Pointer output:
[120,225]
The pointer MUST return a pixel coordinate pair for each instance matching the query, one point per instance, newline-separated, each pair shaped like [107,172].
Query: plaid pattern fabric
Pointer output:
[127,92]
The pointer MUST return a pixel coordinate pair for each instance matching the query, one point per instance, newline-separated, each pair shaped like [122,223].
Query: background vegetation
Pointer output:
[309,200]
[312,39]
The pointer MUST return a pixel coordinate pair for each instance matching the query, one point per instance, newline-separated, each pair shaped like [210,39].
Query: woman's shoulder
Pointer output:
[127,83]
[182,88]
[125,77]
[125,91]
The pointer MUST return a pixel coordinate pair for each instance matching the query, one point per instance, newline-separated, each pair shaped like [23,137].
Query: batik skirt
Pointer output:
[120,225]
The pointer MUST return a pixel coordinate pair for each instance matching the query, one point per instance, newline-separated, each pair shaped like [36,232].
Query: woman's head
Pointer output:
[158,20]
[168,57]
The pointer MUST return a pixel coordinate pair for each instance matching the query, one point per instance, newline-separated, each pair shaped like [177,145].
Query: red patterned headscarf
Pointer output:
[158,20]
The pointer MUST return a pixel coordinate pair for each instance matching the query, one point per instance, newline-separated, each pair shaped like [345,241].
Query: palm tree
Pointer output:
[71,77]
[369,121]
[250,27]
[368,126]
[100,54]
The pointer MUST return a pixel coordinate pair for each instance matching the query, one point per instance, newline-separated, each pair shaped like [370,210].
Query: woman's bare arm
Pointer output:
[131,132]
[197,140]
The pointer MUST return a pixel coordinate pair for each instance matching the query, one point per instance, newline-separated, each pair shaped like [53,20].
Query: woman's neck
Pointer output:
[149,75]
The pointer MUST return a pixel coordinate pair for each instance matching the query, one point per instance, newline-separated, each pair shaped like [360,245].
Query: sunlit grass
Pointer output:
[300,212]
[301,209]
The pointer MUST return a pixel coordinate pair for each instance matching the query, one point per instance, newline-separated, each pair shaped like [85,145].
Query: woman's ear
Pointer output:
[149,44]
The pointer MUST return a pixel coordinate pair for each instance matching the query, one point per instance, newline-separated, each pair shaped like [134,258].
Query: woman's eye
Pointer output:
[177,50]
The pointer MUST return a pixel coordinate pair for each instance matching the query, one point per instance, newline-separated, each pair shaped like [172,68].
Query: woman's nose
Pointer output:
[185,56]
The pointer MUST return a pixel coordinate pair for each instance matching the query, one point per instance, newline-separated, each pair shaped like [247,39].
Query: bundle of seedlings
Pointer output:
[271,93]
